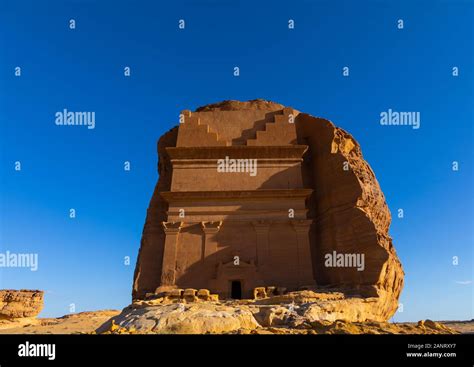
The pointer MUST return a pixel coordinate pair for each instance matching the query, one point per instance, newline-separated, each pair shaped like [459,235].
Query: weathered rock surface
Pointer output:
[349,215]
[181,318]
[275,316]
[342,327]
[16,304]
[256,104]
[244,317]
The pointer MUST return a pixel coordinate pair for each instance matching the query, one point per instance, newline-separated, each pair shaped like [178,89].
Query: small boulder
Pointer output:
[259,293]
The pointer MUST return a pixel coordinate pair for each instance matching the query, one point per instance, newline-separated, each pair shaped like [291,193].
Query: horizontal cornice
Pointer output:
[265,194]
[280,152]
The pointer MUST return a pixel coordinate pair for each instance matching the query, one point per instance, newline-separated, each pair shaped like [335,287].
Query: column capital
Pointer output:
[301,225]
[172,227]
[210,245]
[211,227]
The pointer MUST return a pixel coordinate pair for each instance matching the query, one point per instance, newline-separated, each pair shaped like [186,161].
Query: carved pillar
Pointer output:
[262,228]
[210,230]
[168,270]
[305,266]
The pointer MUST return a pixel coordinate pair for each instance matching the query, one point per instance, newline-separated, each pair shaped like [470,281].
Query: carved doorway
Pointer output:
[236,289]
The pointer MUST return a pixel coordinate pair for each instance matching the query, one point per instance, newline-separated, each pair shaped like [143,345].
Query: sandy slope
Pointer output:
[83,322]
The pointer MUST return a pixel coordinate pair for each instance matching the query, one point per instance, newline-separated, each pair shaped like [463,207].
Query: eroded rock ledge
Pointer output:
[304,312]
[19,307]
[20,303]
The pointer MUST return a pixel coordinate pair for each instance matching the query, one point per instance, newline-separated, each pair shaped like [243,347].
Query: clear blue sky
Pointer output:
[81,260]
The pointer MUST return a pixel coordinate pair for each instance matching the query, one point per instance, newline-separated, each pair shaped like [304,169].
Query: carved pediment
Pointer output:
[242,264]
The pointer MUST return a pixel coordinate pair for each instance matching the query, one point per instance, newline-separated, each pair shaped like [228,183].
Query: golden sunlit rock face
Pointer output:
[257,200]
[16,304]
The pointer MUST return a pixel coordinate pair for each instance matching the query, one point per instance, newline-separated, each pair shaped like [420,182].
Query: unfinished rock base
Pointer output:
[305,312]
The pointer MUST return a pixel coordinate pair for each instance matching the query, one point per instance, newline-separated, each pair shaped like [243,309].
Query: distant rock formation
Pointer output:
[16,304]
[306,165]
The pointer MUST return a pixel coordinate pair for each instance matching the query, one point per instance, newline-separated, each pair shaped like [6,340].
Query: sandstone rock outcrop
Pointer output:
[303,312]
[16,304]
[181,318]
[343,211]
[349,214]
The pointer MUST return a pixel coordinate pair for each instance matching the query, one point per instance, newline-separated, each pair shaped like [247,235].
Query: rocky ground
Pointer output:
[463,327]
[89,322]
[158,317]
[192,312]
[178,316]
